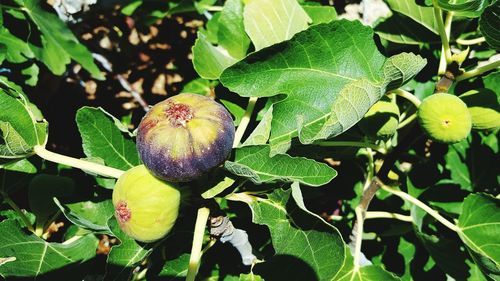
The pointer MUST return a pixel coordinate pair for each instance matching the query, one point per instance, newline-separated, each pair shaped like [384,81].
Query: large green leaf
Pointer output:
[320,14]
[102,138]
[465,8]
[297,233]
[123,258]
[270,22]
[34,257]
[365,273]
[420,14]
[479,226]
[331,73]
[489,23]
[254,163]
[59,44]
[21,127]
[209,60]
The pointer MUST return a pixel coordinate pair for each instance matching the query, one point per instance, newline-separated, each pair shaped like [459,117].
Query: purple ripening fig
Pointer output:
[185,136]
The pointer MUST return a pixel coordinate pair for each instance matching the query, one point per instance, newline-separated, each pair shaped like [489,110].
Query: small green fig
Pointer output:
[185,136]
[381,120]
[145,207]
[444,118]
[484,108]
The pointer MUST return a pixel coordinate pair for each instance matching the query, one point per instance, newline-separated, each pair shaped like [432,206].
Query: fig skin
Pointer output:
[444,118]
[484,108]
[185,136]
[146,207]
[381,120]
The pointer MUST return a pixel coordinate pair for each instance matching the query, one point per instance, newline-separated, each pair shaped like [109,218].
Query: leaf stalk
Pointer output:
[78,163]
[245,120]
[479,70]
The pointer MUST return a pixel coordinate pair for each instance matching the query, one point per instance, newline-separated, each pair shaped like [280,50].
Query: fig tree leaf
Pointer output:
[479,226]
[365,273]
[331,73]
[464,8]
[489,23]
[35,257]
[176,268]
[420,14]
[20,126]
[88,214]
[320,14]
[200,86]
[255,163]
[208,60]
[42,189]
[401,29]
[123,258]
[271,22]
[103,139]
[250,277]
[231,32]
[17,50]
[32,73]
[296,233]
[59,44]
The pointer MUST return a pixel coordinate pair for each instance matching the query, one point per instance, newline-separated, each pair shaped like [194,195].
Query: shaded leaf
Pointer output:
[261,133]
[254,163]
[208,60]
[176,268]
[420,14]
[123,258]
[465,8]
[35,257]
[298,234]
[17,50]
[103,139]
[489,23]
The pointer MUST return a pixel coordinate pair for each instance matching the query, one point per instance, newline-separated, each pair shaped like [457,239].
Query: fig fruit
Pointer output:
[185,136]
[444,118]
[381,120]
[145,207]
[484,108]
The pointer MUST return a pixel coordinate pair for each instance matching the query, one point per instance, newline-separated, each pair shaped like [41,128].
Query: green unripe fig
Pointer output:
[145,207]
[444,118]
[185,136]
[484,108]
[381,120]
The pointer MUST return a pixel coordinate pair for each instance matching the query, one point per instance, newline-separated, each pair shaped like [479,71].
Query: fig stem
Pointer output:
[409,96]
[77,163]
[387,215]
[407,120]
[405,196]
[245,120]
[353,144]
[468,42]
[479,70]
[445,50]
[13,205]
[199,232]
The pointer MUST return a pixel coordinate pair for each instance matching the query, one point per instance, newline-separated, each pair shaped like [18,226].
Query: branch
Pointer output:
[199,232]
[245,120]
[479,70]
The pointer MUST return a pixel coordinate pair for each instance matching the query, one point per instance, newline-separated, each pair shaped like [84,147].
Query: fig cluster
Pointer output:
[444,118]
[185,136]
[146,207]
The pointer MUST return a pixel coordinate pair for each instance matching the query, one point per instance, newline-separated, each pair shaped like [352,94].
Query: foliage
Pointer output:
[318,198]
